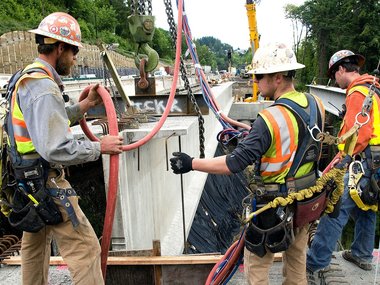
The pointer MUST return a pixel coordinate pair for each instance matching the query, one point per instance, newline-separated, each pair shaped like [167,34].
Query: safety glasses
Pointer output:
[258,77]
[332,76]
[75,50]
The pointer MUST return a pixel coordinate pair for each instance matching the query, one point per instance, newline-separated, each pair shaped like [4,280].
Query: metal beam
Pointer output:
[335,96]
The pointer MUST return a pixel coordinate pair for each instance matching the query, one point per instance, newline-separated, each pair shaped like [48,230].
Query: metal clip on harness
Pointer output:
[355,172]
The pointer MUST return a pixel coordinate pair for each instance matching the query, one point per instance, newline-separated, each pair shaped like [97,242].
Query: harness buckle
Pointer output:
[317,138]
[355,172]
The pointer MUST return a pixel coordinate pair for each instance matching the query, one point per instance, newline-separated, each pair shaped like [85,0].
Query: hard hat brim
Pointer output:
[53,36]
[359,57]
[277,68]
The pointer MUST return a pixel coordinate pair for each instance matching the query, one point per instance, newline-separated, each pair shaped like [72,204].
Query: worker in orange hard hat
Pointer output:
[41,143]
[358,201]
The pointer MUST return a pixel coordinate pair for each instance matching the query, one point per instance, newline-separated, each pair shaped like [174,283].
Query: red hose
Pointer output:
[114,159]
[113,172]
[235,249]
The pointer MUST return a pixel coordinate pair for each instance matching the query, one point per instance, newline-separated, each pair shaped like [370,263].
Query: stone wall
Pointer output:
[18,49]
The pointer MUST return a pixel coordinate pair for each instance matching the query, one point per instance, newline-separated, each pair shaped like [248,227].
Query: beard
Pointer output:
[62,66]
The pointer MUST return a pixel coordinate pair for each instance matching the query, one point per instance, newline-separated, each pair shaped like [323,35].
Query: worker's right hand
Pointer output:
[111,144]
[181,163]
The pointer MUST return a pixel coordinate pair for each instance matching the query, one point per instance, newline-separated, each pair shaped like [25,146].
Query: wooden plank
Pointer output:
[157,269]
[143,260]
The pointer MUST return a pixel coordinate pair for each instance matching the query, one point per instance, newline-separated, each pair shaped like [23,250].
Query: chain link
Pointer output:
[149,7]
[139,7]
[131,4]
[190,95]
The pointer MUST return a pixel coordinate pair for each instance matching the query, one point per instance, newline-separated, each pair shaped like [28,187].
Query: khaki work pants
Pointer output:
[256,268]
[78,247]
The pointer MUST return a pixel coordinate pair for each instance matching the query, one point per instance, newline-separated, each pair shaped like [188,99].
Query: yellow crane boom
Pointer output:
[253,36]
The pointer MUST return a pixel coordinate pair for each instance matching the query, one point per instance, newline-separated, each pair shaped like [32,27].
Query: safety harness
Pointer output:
[367,197]
[25,199]
[274,232]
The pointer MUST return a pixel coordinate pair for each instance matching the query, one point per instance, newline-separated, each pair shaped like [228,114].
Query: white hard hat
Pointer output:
[274,57]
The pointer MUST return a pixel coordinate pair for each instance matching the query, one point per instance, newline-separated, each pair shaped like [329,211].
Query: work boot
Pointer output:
[347,255]
[332,275]
[313,278]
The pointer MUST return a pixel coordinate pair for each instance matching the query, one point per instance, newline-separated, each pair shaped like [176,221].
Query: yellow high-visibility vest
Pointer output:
[23,141]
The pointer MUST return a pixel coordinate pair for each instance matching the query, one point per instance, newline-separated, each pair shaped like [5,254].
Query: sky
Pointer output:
[227,20]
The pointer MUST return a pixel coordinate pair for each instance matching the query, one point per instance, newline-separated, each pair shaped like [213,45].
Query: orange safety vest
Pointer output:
[23,141]
[375,114]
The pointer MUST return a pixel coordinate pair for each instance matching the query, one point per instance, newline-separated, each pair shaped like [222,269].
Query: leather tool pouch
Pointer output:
[275,239]
[26,214]
[310,209]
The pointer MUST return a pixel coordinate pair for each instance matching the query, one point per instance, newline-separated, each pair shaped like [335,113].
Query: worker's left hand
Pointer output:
[181,163]
[93,96]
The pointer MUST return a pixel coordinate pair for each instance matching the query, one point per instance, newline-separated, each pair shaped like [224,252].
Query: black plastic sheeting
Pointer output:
[217,219]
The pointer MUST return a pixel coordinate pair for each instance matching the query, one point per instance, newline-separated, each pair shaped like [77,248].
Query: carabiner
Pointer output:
[355,171]
[311,132]
[365,114]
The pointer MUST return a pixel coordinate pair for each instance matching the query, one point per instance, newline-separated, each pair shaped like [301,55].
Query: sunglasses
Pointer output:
[258,77]
[332,76]
[74,49]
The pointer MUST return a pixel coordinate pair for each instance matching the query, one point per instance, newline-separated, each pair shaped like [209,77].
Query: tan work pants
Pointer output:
[256,268]
[79,247]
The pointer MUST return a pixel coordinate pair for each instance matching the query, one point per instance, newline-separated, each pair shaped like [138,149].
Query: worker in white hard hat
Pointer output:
[284,157]
[38,125]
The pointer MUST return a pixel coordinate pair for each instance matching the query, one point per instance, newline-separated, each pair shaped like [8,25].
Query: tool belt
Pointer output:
[310,209]
[268,234]
[305,211]
[32,206]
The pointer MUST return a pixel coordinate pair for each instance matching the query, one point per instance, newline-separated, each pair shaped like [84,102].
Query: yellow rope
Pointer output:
[333,174]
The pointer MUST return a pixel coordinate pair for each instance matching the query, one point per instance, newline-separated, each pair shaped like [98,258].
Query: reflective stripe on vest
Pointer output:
[283,127]
[375,114]
[22,138]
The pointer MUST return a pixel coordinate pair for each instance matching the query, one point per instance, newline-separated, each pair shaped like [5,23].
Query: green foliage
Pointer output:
[346,24]
[162,43]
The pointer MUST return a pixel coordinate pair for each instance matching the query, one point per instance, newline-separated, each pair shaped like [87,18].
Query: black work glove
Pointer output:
[181,162]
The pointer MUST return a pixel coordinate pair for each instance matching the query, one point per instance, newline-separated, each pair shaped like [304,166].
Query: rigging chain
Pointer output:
[172,30]
[139,7]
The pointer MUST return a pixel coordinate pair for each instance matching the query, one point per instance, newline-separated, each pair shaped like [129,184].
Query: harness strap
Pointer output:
[62,195]
[309,120]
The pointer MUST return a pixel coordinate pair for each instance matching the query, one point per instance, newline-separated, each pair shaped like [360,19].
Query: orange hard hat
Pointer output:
[61,27]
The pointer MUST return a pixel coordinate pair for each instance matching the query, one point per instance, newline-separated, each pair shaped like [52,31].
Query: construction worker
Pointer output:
[271,146]
[344,67]
[42,136]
